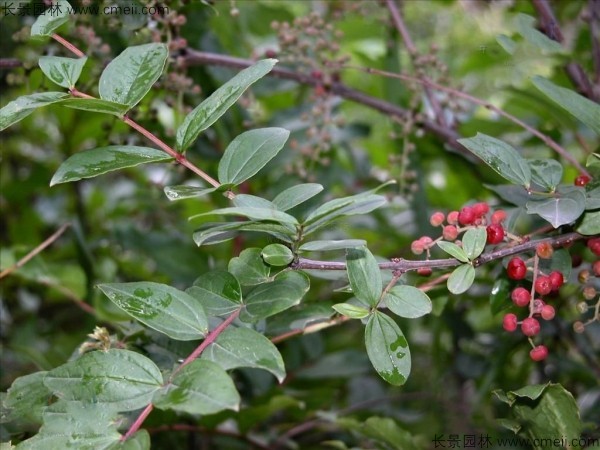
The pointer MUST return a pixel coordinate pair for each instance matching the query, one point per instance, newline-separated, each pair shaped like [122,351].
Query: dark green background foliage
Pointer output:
[466,372]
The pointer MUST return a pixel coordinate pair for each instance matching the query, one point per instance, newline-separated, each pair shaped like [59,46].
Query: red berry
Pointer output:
[538,353]
[509,322]
[530,326]
[466,216]
[520,296]
[424,271]
[417,247]
[450,232]
[498,216]
[516,269]
[543,285]
[594,246]
[544,250]
[317,74]
[548,312]
[270,53]
[582,180]
[452,217]
[480,209]
[426,241]
[596,268]
[437,219]
[556,279]
[495,233]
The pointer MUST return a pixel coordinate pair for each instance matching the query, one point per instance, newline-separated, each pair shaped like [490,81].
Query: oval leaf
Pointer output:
[501,157]
[124,379]
[473,242]
[277,255]
[252,213]
[350,310]
[387,349]
[296,195]
[565,207]
[243,347]
[182,192]
[63,71]
[20,108]
[98,161]
[364,275]
[268,299]
[315,246]
[129,76]
[408,301]
[161,307]
[249,267]
[96,105]
[453,250]
[461,279]
[546,173]
[249,152]
[51,19]
[207,113]
[218,292]
[201,387]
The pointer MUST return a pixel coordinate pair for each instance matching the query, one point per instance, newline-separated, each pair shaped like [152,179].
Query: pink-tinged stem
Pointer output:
[68,45]
[138,422]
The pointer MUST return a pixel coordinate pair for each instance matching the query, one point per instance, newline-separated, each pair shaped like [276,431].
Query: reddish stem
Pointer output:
[138,422]
[68,45]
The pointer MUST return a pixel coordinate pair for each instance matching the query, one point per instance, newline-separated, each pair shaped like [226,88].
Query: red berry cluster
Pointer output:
[456,222]
[543,285]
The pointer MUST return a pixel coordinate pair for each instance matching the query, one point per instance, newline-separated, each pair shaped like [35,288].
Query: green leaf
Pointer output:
[508,44]
[461,279]
[500,295]
[26,398]
[96,105]
[201,387]
[546,173]
[364,275]
[182,192]
[161,307]
[98,161]
[501,157]
[207,113]
[352,311]
[357,204]
[387,349]
[316,246]
[277,255]
[564,207]
[268,299]
[296,195]
[249,268]
[243,347]
[249,152]
[51,19]
[590,223]
[20,108]
[408,301]
[454,250]
[578,106]
[129,76]
[252,213]
[387,431]
[123,379]
[139,441]
[526,26]
[214,233]
[252,201]
[218,292]
[63,71]
[473,242]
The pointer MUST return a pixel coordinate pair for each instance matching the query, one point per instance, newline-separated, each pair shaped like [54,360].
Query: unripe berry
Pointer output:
[538,353]
[480,209]
[583,276]
[594,246]
[452,217]
[582,307]
[548,312]
[530,326]
[516,269]
[498,216]
[578,327]
[495,233]
[543,286]
[437,219]
[556,279]
[466,216]
[450,232]
[538,305]
[509,322]
[520,296]
[581,180]
[589,292]
[544,250]
[417,247]
[270,53]
[426,241]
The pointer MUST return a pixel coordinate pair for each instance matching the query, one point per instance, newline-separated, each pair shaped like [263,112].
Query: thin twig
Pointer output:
[544,138]
[9,63]
[68,45]
[25,259]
